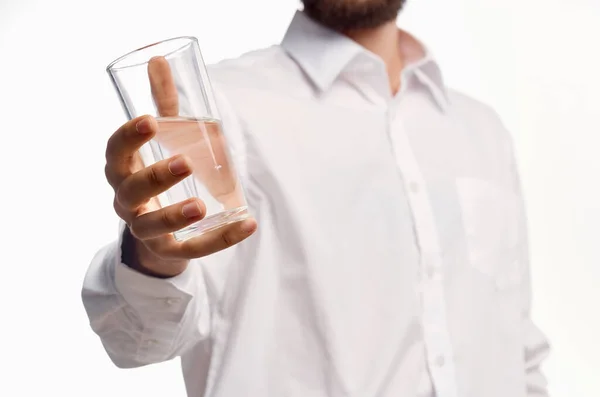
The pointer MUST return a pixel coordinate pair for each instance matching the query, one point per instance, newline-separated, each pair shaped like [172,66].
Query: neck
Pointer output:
[383,41]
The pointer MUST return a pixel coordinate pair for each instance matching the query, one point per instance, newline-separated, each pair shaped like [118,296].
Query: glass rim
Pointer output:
[113,65]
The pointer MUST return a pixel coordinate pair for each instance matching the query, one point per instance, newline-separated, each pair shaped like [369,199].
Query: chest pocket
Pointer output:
[492,219]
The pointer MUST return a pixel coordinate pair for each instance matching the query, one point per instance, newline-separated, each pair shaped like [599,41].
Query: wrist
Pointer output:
[152,265]
[138,257]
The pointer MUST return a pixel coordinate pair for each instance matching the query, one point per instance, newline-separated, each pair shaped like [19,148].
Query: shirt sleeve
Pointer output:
[141,319]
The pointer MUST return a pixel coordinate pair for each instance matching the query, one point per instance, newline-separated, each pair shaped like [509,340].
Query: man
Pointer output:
[391,257]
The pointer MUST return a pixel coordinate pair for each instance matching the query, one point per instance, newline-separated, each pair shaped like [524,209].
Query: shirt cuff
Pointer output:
[144,292]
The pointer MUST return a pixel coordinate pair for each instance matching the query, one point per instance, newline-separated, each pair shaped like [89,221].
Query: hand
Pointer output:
[136,188]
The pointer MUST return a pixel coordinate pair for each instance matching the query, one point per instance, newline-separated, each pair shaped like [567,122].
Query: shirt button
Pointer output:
[172,301]
[431,272]
[440,361]
[151,342]
[414,187]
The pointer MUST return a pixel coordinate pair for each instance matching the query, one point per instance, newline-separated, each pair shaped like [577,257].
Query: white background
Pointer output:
[535,61]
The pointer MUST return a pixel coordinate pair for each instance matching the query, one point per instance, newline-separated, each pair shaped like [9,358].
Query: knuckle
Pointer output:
[138,230]
[108,173]
[153,177]
[121,212]
[168,219]
[111,146]
[121,195]
[109,150]
[116,205]
[228,238]
[112,176]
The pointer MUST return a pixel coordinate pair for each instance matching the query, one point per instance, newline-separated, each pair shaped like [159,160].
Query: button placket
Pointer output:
[435,332]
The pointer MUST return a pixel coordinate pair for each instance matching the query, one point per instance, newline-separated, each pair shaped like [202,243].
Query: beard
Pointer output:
[348,15]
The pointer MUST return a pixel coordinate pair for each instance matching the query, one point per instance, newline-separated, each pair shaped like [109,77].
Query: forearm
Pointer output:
[136,256]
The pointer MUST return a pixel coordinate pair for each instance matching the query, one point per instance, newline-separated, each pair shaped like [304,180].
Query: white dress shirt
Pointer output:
[391,255]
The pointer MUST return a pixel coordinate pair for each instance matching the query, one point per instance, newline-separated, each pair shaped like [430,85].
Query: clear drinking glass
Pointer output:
[169,81]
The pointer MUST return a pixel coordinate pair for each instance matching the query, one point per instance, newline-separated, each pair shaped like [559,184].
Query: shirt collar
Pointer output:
[323,54]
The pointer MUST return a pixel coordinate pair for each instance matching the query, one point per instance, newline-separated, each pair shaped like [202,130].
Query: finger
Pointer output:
[163,87]
[217,240]
[149,182]
[123,145]
[121,212]
[169,219]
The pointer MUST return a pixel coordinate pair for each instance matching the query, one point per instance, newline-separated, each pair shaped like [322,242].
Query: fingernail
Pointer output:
[191,210]
[143,126]
[178,166]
